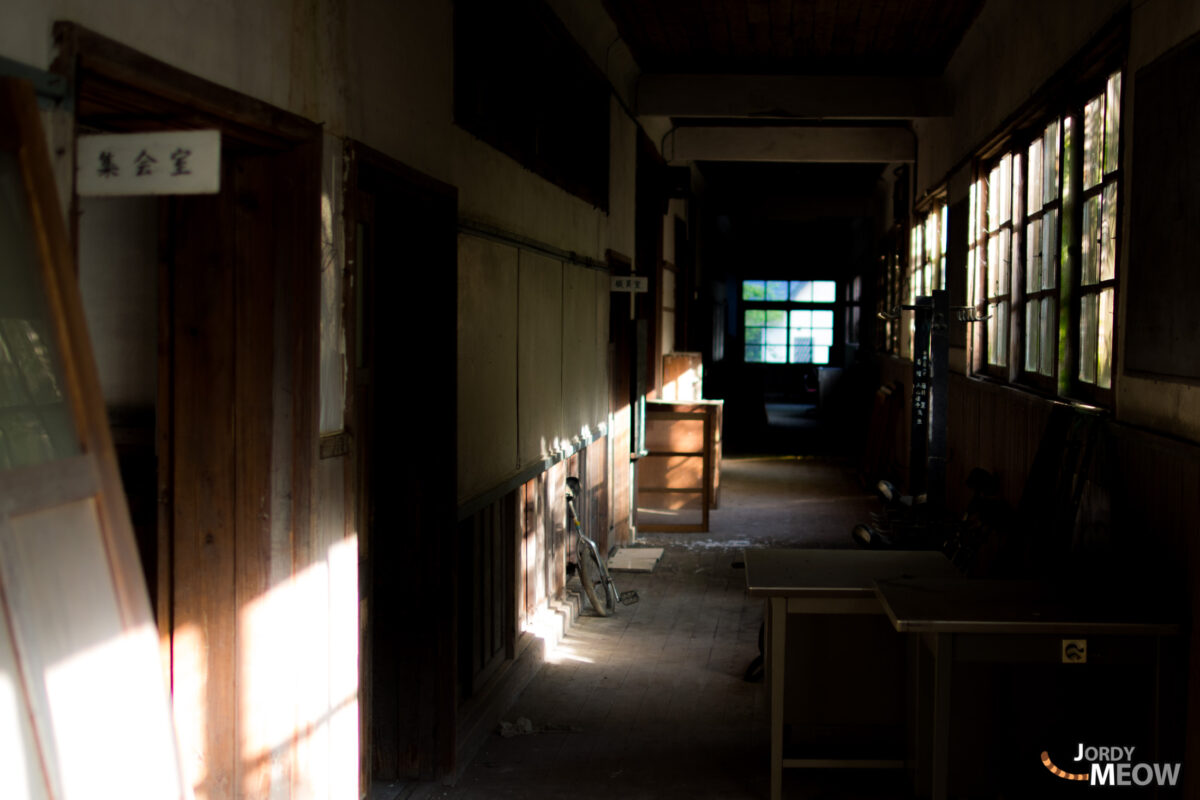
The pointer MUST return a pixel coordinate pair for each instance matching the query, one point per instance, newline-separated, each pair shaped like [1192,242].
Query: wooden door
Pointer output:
[83,705]
[402,229]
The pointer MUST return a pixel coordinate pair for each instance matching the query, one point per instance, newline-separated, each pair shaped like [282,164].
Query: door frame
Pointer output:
[428,629]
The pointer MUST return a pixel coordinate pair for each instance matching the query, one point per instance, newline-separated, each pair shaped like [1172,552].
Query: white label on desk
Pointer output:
[1074,651]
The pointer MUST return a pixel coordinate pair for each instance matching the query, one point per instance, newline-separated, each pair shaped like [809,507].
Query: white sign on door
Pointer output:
[162,162]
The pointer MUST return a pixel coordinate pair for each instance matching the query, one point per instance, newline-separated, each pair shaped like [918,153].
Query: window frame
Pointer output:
[1078,388]
[788,307]
[1049,208]
[1069,292]
[927,260]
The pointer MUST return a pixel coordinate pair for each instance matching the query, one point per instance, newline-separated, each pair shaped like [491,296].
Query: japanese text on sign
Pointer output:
[163,162]
[630,283]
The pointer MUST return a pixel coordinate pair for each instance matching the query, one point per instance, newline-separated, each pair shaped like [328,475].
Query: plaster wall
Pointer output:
[393,90]
[1161,404]
[118,280]
[1007,54]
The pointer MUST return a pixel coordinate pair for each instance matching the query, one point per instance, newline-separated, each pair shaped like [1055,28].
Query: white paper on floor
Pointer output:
[635,559]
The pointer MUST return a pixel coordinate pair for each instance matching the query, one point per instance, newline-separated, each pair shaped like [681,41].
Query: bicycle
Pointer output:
[593,574]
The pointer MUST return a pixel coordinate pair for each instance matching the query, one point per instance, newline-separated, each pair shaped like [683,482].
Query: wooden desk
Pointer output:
[795,581]
[1009,621]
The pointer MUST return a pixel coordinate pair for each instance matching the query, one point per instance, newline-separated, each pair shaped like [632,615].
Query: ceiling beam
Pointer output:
[841,144]
[793,96]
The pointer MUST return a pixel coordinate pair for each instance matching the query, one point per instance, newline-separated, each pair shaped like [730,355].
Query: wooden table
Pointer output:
[1013,621]
[795,581]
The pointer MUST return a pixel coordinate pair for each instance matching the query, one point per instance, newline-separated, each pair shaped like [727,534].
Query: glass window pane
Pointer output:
[1090,245]
[775,354]
[1050,169]
[802,354]
[776,336]
[754,290]
[36,424]
[801,336]
[1018,188]
[1033,195]
[754,353]
[1050,249]
[1087,338]
[971,291]
[1004,202]
[1033,328]
[993,200]
[1033,256]
[991,333]
[801,319]
[1008,252]
[756,318]
[1049,335]
[1093,141]
[1002,333]
[993,264]
[1108,234]
[972,224]
[820,354]
[776,318]
[1112,123]
[754,335]
[824,291]
[823,319]
[1104,343]
[777,290]
[801,291]
[823,336]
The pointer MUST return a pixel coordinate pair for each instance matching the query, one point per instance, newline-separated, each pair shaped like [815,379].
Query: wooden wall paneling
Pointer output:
[313,572]
[956,468]
[204,473]
[556,538]
[163,438]
[597,454]
[260,562]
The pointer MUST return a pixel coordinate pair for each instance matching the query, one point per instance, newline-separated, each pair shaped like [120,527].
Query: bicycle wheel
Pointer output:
[591,575]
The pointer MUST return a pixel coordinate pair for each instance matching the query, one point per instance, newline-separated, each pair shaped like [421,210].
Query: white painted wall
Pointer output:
[118,280]
[392,89]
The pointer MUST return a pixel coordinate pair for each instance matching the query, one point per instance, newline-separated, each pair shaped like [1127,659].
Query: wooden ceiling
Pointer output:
[793,37]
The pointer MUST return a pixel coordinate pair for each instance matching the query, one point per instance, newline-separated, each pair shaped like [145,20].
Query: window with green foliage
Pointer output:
[788,322]
[1042,249]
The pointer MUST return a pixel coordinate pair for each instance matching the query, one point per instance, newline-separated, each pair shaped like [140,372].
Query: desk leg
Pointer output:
[776,647]
[943,655]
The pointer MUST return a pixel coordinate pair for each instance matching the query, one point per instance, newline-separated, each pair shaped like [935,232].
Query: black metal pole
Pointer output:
[919,440]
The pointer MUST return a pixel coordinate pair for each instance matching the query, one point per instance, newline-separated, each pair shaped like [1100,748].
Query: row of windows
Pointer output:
[1042,249]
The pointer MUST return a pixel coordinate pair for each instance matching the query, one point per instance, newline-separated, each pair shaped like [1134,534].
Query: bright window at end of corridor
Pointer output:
[788,322]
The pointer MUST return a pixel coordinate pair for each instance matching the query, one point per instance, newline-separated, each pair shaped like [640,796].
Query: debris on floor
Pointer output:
[524,726]
[635,559]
